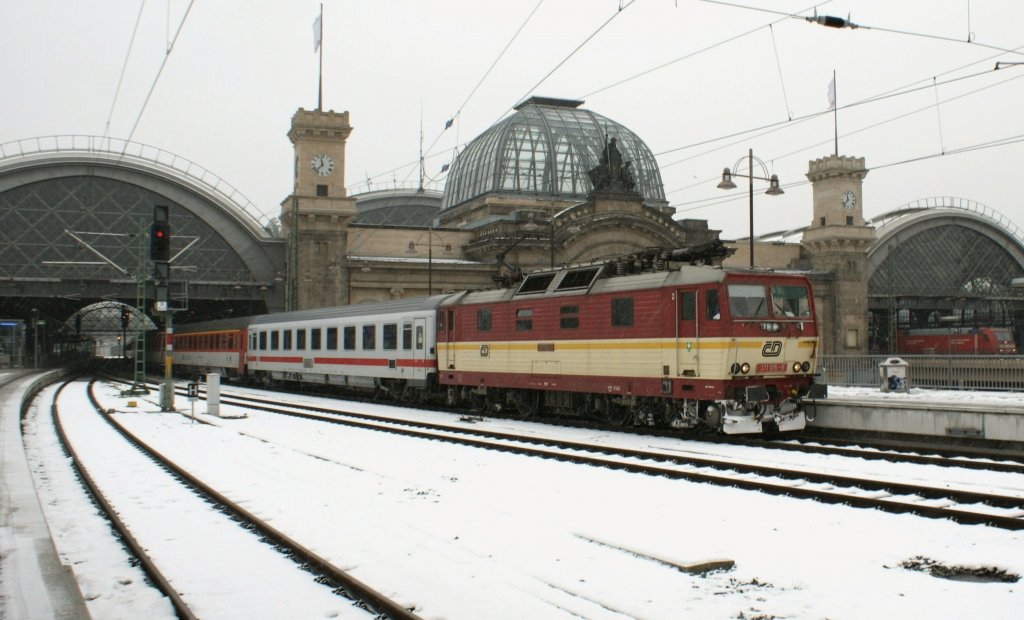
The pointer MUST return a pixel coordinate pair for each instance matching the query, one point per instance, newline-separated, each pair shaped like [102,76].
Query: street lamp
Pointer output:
[446,248]
[773,187]
[573,229]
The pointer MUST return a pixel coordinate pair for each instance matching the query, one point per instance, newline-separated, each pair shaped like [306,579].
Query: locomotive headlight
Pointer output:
[796,366]
[806,367]
[745,368]
[771,327]
[735,368]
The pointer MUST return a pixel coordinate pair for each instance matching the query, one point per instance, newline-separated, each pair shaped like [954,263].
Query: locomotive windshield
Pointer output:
[791,301]
[751,301]
[748,301]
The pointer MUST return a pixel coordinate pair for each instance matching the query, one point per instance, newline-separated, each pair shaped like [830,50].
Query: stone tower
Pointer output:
[836,243]
[315,218]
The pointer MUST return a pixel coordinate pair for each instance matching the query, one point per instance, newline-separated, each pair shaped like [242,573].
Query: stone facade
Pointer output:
[315,218]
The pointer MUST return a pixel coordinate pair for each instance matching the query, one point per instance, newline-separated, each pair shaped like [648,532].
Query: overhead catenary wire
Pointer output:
[170,48]
[451,120]
[124,67]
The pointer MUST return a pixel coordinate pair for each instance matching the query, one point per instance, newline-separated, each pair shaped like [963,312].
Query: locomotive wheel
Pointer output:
[527,403]
[617,415]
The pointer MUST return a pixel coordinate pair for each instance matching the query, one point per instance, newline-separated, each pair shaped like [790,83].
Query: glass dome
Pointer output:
[545,149]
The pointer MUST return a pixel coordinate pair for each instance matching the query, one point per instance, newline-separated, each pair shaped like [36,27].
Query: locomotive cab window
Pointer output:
[622,312]
[748,301]
[687,306]
[790,301]
[712,309]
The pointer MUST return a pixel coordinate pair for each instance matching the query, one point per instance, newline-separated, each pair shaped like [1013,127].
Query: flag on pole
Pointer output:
[317,31]
[832,94]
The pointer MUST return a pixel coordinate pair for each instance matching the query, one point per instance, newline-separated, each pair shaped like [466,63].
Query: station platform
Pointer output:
[992,418]
[34,583]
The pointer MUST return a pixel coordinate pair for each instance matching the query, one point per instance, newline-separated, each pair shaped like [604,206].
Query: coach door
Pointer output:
[687,333]
[446,316]
[419,346]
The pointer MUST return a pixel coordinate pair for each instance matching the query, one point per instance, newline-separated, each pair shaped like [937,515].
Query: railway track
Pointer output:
[200,513]
[960,505]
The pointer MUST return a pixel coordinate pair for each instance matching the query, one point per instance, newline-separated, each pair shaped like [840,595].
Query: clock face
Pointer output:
[322,164]
[849,200]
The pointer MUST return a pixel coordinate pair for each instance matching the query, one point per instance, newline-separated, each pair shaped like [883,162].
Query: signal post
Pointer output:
[160,253]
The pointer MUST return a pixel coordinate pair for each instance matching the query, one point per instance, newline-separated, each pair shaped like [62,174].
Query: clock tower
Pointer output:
[315,218]
[836,243]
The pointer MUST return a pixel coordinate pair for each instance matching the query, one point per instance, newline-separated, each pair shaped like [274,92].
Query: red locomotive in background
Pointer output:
[957,341]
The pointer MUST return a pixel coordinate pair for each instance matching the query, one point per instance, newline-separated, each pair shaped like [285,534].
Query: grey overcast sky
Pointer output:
[917,93]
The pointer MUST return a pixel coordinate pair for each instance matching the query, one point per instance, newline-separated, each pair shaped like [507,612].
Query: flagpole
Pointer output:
[320,82]
[835,111]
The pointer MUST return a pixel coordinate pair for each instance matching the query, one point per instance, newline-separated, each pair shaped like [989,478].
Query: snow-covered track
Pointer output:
[108,457]
[960,505]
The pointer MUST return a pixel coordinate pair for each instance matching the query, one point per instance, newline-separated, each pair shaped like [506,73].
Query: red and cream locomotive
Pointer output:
[693,347]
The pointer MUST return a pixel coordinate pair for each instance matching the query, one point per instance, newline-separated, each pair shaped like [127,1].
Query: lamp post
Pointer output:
[573,229]
[430,257]
[773,187]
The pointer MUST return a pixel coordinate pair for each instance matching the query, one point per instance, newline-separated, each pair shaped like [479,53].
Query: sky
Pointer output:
[701,82]
[456,515]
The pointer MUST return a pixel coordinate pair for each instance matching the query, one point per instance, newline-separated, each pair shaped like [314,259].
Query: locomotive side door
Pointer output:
[687,333]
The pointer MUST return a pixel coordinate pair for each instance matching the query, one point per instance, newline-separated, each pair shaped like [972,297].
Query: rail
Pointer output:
[951,372]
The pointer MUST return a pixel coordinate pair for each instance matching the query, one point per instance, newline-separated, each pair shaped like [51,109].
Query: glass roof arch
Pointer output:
[545,149]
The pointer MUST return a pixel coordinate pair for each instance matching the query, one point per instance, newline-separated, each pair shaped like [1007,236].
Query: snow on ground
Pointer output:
[467,533]
[919,395]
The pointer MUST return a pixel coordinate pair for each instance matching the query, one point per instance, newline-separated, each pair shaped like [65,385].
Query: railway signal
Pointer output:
[160,241]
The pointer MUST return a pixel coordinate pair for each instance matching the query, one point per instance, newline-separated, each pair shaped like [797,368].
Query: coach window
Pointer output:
[407,336]
[300,340]
[712,309]
[524,319]
[349,338]
[483,319]
[389,337]
[315,338]
[369,337]
[287,345]
[622,312]
[569,317]
[687,306]
[275,340]
[419,337]
[332,338]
